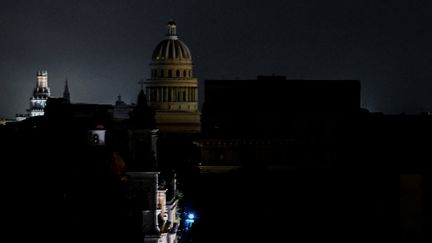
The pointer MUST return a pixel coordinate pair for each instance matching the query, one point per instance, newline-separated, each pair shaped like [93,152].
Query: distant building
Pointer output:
[21,117]
[272,121]
[121,109]
[172,91]
[40,94]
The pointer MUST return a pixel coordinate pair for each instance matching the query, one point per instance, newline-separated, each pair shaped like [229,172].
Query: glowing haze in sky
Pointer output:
[104,47]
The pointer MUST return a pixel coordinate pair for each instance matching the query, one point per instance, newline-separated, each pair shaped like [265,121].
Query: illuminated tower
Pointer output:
[172,91]
[40,94]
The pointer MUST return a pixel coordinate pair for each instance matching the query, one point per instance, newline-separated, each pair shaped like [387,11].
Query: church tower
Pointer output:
[40,94]
[172,91]
[66,94]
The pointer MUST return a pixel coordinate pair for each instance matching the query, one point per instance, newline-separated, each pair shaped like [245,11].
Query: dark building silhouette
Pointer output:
[271,120]
[308,162]
[107,169]
[143,136]
[142,116]
[340,167]
[301,160]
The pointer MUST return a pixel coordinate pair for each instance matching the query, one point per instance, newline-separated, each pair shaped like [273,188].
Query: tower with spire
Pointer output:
[172,91]
[142,116]
[40,94]
[66,94]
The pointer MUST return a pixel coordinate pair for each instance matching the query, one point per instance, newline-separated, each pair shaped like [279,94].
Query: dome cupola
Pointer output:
[171,49]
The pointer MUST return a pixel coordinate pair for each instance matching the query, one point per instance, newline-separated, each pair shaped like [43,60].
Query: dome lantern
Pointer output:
[172,32]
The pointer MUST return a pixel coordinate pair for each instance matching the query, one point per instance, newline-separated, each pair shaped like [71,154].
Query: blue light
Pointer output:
[190,219]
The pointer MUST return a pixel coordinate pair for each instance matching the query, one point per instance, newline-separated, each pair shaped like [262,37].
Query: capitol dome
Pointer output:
[171,49]
[172,90]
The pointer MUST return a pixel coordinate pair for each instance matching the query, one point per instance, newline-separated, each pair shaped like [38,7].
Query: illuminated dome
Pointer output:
[171,49]
[172,90]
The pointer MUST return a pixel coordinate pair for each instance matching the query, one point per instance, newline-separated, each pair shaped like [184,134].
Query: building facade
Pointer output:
[172,90]
[158,209]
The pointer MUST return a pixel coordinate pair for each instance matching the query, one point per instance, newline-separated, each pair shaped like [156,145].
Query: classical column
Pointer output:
[171,94]
[194,94]
[161,94]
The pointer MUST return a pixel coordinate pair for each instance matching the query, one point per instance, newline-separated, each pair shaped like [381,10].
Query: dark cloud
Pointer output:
[104,47]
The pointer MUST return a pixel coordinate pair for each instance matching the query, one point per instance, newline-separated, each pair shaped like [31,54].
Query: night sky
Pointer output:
[104,47]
